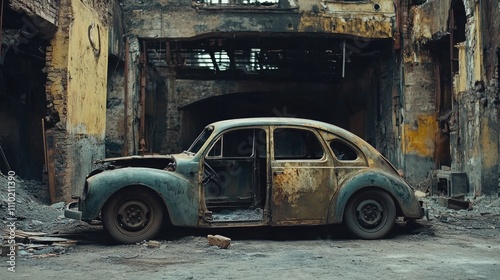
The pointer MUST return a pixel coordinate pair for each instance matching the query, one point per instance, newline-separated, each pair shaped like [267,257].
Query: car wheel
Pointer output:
[132,216]
[370,214]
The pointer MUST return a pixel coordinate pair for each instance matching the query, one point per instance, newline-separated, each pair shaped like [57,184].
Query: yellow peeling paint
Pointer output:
[368,26]
[461,78]
[488,145]
[58,62]
[363,19]
[377,7]
[87,73]
[430,19]
[423,28]
[478,52]
[420,139]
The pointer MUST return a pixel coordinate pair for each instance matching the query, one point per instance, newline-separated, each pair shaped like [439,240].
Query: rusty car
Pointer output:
[250,172]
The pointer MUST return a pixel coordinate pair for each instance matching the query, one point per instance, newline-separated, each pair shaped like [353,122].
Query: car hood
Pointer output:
[152,161]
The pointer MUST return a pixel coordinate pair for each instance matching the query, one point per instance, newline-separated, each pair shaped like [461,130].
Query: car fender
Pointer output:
[396,187]
[179,194]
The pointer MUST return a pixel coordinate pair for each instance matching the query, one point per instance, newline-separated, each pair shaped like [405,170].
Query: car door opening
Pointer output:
[235,171]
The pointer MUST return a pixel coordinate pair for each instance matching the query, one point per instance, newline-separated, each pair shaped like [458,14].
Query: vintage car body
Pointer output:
[251,172]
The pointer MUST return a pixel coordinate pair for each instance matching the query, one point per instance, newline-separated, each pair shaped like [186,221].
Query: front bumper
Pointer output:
[72,211]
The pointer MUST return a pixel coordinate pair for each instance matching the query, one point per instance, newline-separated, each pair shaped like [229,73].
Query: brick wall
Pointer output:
[75,101]
[45,9]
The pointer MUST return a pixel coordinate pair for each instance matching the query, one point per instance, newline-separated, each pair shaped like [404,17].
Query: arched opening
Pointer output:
[350,109]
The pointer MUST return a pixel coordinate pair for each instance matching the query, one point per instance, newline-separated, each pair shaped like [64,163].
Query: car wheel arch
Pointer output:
[151,191]
[340,201]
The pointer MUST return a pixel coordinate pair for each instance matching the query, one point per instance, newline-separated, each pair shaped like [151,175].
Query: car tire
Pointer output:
[370,214]
[132,216]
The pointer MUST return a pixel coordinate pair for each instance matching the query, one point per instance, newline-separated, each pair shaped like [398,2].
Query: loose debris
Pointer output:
[37,244]
[455,203]
[153,244]
[219,240]
[420,194]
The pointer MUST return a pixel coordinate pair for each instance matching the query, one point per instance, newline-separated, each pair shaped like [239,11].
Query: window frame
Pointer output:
[314,132]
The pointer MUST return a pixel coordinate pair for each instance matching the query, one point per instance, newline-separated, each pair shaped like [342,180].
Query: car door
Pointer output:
[303,177]
[235,166]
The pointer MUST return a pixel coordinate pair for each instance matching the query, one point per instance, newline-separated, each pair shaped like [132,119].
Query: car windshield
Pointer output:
[202,138]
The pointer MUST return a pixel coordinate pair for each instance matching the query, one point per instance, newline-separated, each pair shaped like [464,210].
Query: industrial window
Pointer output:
[299,57]
[296,144]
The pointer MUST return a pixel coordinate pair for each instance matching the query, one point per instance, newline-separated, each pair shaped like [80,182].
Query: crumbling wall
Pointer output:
[181,19]
[132,96]
[77,64]
[473,126]
[45,9]
[115,110]
[430,21]
[419,123]
[477,145]
[388,113]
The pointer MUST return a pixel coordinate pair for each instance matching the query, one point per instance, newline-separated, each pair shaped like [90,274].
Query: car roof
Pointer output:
[369,151]
[281,121]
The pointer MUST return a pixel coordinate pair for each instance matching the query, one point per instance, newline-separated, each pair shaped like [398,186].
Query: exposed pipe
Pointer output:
[125,101]
[142,128]
[343,58]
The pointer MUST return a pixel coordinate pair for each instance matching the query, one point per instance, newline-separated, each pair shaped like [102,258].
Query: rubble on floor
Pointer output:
[219,241]
[36,244]
[37,224]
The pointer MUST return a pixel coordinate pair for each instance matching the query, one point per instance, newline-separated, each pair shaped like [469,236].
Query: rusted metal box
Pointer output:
[449,183]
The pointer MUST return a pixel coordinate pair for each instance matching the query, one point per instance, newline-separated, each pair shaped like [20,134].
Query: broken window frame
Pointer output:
[309,152]
[200,140]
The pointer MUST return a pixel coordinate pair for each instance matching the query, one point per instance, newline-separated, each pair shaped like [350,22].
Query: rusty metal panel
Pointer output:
[301,192]
[301,188]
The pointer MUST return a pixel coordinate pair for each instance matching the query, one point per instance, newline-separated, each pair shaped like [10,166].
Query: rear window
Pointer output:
[343,151]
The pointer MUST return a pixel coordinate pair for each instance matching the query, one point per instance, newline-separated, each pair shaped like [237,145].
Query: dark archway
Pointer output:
[338,108]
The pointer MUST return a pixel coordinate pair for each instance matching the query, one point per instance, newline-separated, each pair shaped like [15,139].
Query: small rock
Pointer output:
[24,253]
[219,240]
[59,249]
[36,222]
[43,251]
[420,194]
[153,244]
[58,205]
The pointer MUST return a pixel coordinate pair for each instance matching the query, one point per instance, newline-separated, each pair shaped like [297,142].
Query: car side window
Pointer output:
[239,143]
[342,150]
[290,143]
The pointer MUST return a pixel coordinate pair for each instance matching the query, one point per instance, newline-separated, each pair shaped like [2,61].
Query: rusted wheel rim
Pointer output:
[133,215]
[370,213]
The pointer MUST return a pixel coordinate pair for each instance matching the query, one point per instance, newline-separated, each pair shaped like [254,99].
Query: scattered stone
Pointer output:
[219,240]
[420,194]
[44,251]
[45,256]
[59,250]
[36,223]
[458,204]
[153,244]
[51,240]
[24,253]
[58,205]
